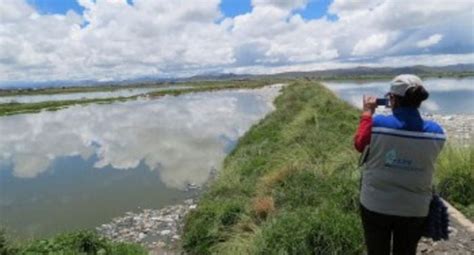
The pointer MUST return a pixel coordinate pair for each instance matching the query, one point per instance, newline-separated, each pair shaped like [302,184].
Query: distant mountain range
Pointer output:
[356,72]
[360,71]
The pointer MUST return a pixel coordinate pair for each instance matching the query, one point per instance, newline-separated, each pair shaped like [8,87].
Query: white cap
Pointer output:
[403,82]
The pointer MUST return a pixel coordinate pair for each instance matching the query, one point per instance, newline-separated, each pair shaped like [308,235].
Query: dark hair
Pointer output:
[413,97]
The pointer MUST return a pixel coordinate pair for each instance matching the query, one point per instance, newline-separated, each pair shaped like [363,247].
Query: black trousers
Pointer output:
[381,229]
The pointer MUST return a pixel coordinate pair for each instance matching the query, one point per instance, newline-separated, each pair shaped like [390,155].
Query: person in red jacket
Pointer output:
[400,152]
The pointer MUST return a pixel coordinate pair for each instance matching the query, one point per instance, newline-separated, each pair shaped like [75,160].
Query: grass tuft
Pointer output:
[263,206]
[325,230]
[274,178]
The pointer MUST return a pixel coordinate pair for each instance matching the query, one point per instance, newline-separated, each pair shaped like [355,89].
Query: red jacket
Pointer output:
[362,136]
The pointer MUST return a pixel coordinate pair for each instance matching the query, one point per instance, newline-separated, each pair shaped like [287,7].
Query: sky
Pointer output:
[111,40]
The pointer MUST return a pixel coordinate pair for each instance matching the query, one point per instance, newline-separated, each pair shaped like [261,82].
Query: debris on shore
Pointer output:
[156,229]
[152,228]
[459,127]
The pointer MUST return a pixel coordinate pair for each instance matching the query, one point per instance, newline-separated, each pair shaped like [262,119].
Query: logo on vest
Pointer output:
[393,160]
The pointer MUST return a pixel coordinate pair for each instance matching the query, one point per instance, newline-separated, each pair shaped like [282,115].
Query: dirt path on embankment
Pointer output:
[461,238]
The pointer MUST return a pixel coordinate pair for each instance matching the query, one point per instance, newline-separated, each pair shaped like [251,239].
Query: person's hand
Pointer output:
[370,103]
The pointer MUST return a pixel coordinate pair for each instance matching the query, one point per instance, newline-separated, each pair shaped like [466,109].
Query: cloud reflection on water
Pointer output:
[182,137]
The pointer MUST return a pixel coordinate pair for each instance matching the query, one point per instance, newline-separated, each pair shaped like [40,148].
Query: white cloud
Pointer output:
[430,41]
[396,61]
[347,8]
[115,40]
[370,44]
[283,4]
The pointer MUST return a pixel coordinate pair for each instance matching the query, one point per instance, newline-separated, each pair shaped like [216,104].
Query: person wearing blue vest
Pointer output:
[400,151]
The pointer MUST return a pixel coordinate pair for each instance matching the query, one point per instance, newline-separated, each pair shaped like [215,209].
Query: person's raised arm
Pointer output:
[362,136]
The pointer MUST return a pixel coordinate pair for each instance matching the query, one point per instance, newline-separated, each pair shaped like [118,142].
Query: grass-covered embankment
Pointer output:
[290,186]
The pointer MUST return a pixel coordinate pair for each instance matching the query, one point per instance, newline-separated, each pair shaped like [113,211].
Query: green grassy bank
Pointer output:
[290,186]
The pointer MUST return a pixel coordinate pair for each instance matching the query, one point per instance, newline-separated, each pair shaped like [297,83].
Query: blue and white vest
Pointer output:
[397,175]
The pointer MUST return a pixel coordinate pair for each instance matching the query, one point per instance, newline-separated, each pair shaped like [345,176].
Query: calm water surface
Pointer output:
[81,166]
[447,95]
[85,95]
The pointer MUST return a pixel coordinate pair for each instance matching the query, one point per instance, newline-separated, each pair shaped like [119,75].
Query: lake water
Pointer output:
[85,95]
[447,95]
[83,165]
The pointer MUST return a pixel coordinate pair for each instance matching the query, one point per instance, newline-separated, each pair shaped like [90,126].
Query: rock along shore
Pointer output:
[155,229]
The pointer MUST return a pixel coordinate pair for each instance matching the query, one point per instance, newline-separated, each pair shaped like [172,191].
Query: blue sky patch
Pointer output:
[59,6]
[316,9]
[232,8]
[55,6]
